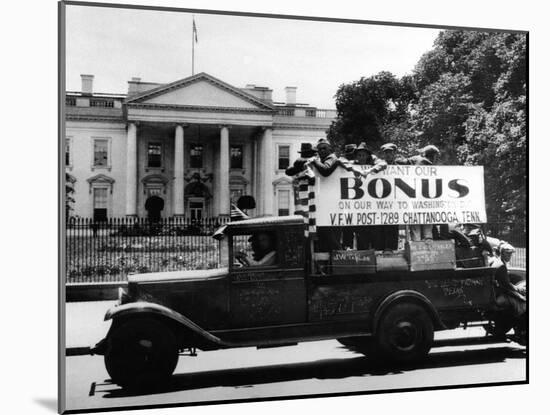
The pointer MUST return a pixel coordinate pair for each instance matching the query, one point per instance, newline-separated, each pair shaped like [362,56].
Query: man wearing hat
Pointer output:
[508,296]
[306,152]
[371,236]
[326,162]
[427,157]
[389,154]
[390,233]
[348,232]
[364,156]
[349,151]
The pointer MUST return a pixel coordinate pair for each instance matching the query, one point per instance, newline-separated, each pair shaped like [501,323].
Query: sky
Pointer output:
[316,57]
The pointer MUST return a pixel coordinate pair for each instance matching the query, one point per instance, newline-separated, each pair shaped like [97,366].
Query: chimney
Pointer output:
[87,84]
[133,85]
[290,95]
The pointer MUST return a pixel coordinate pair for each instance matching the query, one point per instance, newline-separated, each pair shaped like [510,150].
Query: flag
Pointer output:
[195,30]
[237,214]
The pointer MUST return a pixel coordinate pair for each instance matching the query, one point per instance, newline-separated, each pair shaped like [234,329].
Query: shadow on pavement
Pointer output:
[48,403]
[321,369]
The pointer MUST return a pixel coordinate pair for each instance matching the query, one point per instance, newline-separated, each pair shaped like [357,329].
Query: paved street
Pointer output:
[460,357]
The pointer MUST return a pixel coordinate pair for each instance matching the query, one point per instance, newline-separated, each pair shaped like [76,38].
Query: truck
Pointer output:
[385,303]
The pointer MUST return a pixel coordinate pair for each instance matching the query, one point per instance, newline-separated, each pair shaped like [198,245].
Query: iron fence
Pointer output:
[514,233]
[110,250]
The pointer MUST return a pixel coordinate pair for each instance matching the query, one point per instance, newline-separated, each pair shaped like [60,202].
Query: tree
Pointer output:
[467,95]
[363,108]
[472,103]
[441,112]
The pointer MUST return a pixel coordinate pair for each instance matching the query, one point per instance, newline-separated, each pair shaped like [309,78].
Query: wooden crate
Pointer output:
[426,255]
[353,262]
[391,261]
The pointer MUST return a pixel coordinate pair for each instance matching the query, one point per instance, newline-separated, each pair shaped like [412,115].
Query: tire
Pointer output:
[405,333]
[361,344]
[502,324]
[141,352]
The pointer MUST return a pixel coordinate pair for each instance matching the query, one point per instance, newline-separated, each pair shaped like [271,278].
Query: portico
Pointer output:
[188,149]
[196,141]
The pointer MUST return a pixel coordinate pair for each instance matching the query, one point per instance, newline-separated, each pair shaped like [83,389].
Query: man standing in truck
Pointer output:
[427,157]
[371,236]
[348,233]
[390,233]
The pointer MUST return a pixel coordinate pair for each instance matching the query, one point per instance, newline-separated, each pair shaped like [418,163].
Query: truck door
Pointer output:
[272,294]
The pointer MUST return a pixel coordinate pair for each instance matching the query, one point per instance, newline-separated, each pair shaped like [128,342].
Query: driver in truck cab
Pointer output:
[263,251]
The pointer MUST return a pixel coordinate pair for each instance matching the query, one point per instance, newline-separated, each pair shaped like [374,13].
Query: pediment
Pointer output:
[154,179]
[101,178]
[282,181]
[201,90]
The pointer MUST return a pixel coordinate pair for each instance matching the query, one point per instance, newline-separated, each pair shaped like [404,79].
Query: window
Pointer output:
[100,204]
[284,157]
[102,103]
[101,153]
[67,152]
[258,249]
[154,155]
[196,209]
[236,157]
[196,156]
[284,202]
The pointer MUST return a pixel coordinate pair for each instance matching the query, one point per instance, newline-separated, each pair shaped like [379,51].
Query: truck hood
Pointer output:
[196,274]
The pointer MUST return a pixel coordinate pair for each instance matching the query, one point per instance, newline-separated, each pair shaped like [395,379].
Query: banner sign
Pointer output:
[402,195]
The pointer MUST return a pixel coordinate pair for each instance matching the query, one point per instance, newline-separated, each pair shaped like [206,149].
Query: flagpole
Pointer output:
[193,48]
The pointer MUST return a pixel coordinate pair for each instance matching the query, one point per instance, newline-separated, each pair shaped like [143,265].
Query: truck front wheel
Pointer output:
[405,333]
[141,352]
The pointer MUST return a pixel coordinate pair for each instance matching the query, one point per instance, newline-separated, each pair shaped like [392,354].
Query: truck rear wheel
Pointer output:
[141,352]
[405,333]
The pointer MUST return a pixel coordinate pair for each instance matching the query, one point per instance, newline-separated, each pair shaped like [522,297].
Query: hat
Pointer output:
[306,148]
[363,147]
[506,247]
[323,141]
[474,231]
[349,149]
[388,147]
[429,149]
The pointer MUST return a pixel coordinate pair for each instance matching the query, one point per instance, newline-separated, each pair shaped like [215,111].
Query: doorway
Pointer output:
[154,206]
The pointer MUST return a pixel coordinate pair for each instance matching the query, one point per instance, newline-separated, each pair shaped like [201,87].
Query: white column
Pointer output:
[179,206]
[131,170]
[258,157]
[223,191]
[266,167]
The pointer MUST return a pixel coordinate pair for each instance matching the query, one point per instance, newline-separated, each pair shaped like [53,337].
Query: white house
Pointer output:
[186,148]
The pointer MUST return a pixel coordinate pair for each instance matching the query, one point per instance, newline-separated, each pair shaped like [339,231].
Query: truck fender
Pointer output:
[517,274]
[142,307]
[404,296]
